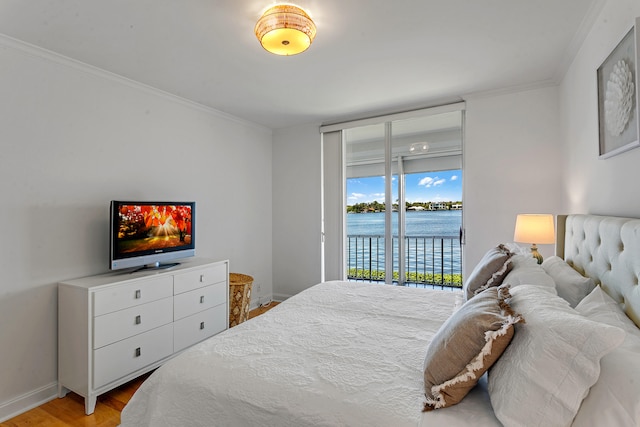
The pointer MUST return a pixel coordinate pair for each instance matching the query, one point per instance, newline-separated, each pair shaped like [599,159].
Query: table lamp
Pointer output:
[535,228]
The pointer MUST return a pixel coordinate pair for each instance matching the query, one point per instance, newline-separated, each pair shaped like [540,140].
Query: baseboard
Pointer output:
[28,401]
[264,300]
[281,297]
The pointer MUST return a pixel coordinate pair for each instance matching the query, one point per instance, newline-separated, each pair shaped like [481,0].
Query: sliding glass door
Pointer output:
[403,215]
[370,189]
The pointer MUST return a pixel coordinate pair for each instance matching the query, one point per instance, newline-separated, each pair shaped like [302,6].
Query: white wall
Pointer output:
[74,138]
[591,185]
[512,164]
[296,209]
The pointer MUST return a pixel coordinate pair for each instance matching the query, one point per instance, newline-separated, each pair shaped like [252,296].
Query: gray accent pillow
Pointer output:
[490,271]
[466,345]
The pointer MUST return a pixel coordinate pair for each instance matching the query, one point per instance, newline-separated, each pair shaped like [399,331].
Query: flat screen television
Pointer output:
[151,234]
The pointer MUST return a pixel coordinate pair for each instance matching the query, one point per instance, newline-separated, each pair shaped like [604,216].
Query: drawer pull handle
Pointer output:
[202,277]
[138,294]
[138,352]
[201,299]
[138,319]
[201,325]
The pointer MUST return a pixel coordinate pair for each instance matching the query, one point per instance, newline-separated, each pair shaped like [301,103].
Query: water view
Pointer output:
[432,229]
[433,252]
[418,223]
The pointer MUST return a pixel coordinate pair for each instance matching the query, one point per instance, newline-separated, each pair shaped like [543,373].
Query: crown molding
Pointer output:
[578,39]
[511,89]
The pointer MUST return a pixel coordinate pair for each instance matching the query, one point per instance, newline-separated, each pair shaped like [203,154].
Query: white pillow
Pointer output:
[527,271]
[614,398]
[599,306]
[571,285]
[552,361]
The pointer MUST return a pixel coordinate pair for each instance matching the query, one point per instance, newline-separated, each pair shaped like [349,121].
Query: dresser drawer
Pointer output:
[141,292]
[193,329]
[184,282]
[192,302]
[124,357]
[122,324]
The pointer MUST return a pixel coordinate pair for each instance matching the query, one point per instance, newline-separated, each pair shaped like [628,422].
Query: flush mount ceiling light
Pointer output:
[285,29]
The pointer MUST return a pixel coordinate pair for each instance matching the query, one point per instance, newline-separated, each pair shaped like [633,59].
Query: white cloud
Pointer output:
[454,177]
[426,181]
[429,182]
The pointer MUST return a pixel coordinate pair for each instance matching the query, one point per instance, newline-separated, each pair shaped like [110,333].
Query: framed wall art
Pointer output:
[618,97]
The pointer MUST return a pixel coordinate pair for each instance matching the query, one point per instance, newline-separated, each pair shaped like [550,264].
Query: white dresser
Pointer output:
[117,326]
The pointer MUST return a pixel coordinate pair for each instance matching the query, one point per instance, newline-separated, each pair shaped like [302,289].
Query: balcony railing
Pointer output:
[429,260]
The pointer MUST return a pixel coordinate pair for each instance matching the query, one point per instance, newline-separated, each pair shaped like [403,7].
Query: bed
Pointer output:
[566,350]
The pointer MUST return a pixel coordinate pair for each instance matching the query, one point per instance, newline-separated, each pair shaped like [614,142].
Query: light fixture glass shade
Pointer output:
[535,228]
[285,29]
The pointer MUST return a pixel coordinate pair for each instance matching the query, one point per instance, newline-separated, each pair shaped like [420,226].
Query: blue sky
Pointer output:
[420,187]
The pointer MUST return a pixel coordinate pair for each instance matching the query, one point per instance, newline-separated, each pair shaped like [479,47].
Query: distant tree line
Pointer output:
[376,206]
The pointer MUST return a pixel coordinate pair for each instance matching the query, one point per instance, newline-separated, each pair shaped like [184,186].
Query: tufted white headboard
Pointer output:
[607,249]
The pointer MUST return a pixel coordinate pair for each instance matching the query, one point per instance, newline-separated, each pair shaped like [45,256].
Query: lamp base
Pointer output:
[535,253]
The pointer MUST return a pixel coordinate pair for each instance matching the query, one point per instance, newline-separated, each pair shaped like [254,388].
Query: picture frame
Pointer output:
[617,78]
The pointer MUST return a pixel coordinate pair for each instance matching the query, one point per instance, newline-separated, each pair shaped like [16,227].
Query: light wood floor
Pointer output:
[258,311]
[69,411]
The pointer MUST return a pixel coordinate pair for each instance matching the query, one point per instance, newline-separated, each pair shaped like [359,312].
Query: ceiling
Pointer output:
[369,56]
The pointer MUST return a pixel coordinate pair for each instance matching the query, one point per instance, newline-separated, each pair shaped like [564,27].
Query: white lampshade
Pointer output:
[535,228]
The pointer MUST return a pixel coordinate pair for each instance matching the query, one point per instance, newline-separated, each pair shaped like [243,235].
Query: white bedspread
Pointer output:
[337,354]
